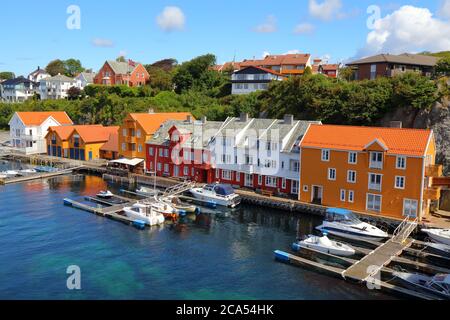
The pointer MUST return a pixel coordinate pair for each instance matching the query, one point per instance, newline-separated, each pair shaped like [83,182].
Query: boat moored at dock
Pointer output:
[344,223]
[438,285]
[324,244]
[439,235]
[105,194]
[221,194]
[144,212]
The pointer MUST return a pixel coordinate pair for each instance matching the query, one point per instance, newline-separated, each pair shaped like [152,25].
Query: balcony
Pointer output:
[376,165]
[432,193]
[375,186]
[247,168]
[434,171]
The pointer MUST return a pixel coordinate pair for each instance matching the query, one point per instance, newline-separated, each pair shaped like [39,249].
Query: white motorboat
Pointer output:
[161,207]
[11,173]
[220,194]
[344,223]
[146,192]
[325,245]
[105,194]
[438,285]
[439,235]
[27,172]
[145,213]
[439,248]
[180,206]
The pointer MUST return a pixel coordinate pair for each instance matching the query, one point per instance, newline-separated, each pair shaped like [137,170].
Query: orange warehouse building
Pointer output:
[137,128]
[378,171]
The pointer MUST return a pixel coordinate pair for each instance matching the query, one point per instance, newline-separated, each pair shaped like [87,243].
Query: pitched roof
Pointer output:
[329,67]
[37,72]
[112,144]
[91,134]
[411,142]
[37,118]
[278,60]
[64,132]
[150,122]
[88,76]
[15,81]
[121,67]
[59,77]
[263,69]
[405,58]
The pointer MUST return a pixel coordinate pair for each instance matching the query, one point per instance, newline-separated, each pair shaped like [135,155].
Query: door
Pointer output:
[90,155]
[317,193]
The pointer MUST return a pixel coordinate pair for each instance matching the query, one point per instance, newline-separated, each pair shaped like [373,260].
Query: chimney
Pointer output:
[244,117]
[396,124]
[288,119]
[204,119]
[151,111]
[39,68]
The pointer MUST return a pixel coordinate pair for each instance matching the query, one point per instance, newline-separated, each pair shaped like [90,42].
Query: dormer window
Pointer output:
[325,155]
[376,160]
[175,137]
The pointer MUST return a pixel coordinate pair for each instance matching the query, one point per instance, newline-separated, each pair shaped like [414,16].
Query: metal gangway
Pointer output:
[404,230]
[179,188]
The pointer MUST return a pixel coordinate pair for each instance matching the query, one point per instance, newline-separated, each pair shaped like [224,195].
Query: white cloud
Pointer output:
[123,53]
[103,43]
[409,29]
[294,51]
[171,19]
[265,54]
[269,26]
[444,10]
[304,28]
[325,10]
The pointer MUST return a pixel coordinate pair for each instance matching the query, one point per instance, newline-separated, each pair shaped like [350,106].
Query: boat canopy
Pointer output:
[339,211]
[131,162]
[223,189]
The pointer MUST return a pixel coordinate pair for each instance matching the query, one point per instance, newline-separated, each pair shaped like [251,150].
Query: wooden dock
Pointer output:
[37,176]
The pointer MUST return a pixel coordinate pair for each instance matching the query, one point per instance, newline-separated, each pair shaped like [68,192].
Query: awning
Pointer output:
[131,162]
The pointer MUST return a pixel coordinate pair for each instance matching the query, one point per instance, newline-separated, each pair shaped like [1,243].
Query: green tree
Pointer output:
[121,59]
[72,67]
[56,67]
[160,79]
[195,73]
[6,75]
[443,67]
[74,93]
[308,71]
[346,73]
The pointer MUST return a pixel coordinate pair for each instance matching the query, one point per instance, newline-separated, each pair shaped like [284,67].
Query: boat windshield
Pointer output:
[224,190]
[343,218]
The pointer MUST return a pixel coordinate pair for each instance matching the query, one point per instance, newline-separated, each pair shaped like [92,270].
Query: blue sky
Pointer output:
[35,32]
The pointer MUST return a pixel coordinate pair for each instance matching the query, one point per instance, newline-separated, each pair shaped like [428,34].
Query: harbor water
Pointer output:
[219,254]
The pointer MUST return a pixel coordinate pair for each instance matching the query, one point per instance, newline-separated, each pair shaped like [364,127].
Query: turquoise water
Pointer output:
[224,255]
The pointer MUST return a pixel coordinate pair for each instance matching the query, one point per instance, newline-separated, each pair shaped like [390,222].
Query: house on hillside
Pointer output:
[389,65]
[129,73]
[18,89]
[252,79]
[56,87]
[28,129]
[84,79]
[38,74]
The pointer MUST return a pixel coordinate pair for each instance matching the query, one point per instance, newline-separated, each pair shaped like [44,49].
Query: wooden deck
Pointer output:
[376,260]
[37,176]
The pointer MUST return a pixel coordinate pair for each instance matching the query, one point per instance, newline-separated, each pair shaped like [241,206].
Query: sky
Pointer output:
[36,32]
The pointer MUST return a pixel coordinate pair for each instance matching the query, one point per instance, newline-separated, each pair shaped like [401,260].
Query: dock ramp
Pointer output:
[179,188]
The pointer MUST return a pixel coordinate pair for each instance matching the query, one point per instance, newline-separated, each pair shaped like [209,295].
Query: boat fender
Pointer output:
[296,247]
[281,256]
[139,224]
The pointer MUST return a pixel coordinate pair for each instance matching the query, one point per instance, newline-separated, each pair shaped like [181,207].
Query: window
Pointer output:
[217,173]
[399,182]
[159,166]
[375,181]
[166,153]
[161,152]
[271,182]
[331,174]
[410,207]
[351,196]
[376,160]
[373,71]
[138,133]
[351,176]
[373,202]
[259,179]
[294,186]
[326,155]
[238,176]
[295,166]
[226,174]
[166,168]
[192,172]
[124,147]
[343,195]
[352,157]
[248,180]
[401,162]
[186,171]
[150,151]
[305,188]
[140,148]
[124,132]
[283,183]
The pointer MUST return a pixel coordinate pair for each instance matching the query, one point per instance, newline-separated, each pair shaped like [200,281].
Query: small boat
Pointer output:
[438,248]
[11,173]
[161,206]
[180,206]
[27,172]
[221,194]
[45,169]
[439,235]
[105,194]
[146,192]
[325,245]
[145,213]
[438,285]
[344,223]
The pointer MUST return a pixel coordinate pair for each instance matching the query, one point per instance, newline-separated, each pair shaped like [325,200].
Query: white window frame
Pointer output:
[326,155]
[397,179]
[397,162]
[124,146]
[375,196]
[166,168]
[227,175]
[407,212]
[238,176]
[248,180]
[159,166]
[186,171]
[138,133]
[343,195]
[351,196]
[376,164]
[349,172]
[370,184]
[217,173]
[260,180]
[124,132]
[139,147]
[295,187]
[329,174]
[166,153]
[283,183]
[150,151]
[271,182]
[350,154]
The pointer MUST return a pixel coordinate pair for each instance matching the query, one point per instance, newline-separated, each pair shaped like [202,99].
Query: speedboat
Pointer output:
[105,194]
[11,173]
[145,213]
[220,194]
[325,245]
[180,206]
[27,172]
[344,223]
[439,235]
[438,285]
[146,192]
[439,248]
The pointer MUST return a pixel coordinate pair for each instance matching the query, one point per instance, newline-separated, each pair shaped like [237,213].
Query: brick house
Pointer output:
[129,73]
